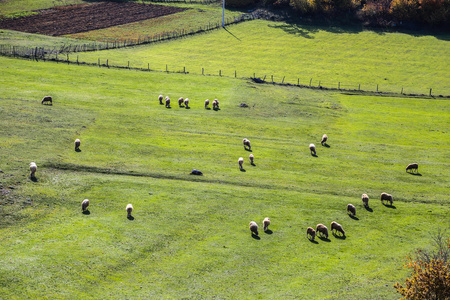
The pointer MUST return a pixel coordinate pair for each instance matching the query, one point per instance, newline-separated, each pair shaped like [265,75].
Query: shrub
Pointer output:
[239,3]
[405,10]
[431,273]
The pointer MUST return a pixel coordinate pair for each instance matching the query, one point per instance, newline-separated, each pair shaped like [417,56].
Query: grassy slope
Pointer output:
[326,55]
[189,237]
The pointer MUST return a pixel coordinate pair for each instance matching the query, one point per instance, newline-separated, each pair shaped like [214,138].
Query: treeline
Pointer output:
[370,12]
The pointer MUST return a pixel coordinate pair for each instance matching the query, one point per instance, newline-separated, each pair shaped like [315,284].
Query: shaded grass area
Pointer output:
[189,236]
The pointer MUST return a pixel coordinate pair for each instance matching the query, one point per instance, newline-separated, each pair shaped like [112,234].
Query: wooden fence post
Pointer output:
[167,69]
[310,82]
[99,62]
[272,78]
[359,87]
[283,79]
[430,92]
[377,88]
[68,58]
[107,63]
[339,85]
[235,74]
[402,91]
[203,71]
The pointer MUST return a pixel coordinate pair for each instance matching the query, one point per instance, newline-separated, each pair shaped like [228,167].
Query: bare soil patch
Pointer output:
[86,17]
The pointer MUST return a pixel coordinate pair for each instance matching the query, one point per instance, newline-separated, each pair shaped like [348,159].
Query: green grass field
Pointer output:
[189,237]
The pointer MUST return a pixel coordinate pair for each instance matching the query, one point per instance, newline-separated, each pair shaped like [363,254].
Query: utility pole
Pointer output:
[223,14]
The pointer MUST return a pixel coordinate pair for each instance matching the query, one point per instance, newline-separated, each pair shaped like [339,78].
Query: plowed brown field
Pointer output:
[86,17]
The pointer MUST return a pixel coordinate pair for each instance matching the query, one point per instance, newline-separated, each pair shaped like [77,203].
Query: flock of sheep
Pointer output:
[185,102]
[321,230]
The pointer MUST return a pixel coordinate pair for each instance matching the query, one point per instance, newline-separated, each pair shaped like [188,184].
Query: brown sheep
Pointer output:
[180,101]
[129,209]
[84,204]
[324,139]
[77,144]
[312,148]
[337,227]
[167,102]
[251,157]
[365,200]
[160,98]
[386,197]
[322,229]
[215,104]
[311,232]
[247,144]
[413,167]
[240,162]
[266,223]
[206,103]
[186,102]
[351,209]
[253,227]
[47,99]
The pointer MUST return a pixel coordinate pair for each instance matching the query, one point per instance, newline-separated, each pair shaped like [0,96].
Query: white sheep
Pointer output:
[160,98]
[351,209]
[206,103]
[167,102]
[337,227]
[365,200]
[253,227]
[186,102]
[180,101]
[312,148]
[129,210]
[266,223]
[77,144]
[413,167]
[47,99]
[311,232]
[33,169]
[386,197]
[251,157]
[215,104]
[324,139]
[247,144]
[84,204]
[322,229]
[240,162]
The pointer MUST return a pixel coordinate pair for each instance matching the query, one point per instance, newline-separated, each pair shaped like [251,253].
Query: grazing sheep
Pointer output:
[180,101]
[311,232]
[312,148]
[240,162]
[365,200]
[33,169]
[77,144]
[160,98]
[413,167]
[84,204]
[322,229]
[338,227]
[215,104]
[246,143]
[266,223]
[251,157]
[129,210]
[186,102]
[351,209]
[386,197]
[167,102]
[324,139]
[253,227]
[47,99]
[206,103]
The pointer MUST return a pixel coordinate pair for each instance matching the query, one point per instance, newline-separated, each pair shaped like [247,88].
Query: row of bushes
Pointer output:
[373,12]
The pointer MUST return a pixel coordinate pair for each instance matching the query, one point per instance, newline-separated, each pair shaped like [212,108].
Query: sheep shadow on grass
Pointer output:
[131,218]
[243,170]
[216,109]
[34,179]
[313,241]
[325,239]
[338,236]
[368,209]
[78,150]
[314,155]
[415,174]
[256,237]
[326,145]
[253,164]
[208,108]
[390,206]
[86,212]
[268,231]
[354,217]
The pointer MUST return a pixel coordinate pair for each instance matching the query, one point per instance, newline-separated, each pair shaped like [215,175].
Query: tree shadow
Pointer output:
[368,209]
[86,212]
[131,218]
[268,231]
[354,217]
[256,237]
